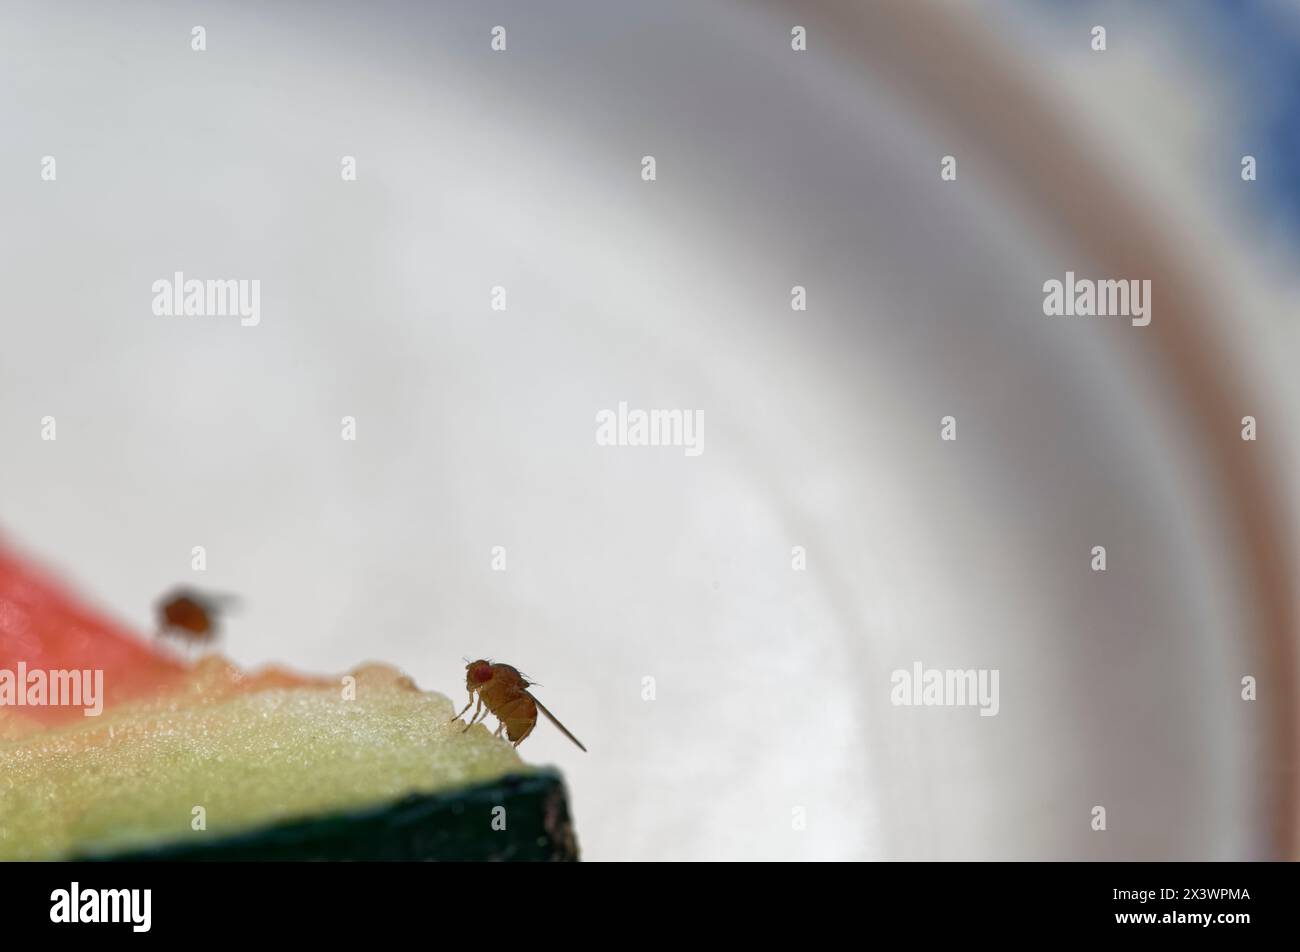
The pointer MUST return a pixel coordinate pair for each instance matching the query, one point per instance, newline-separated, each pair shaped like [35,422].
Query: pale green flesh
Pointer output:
[134,777]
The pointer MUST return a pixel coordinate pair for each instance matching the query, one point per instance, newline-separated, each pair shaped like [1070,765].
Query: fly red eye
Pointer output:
[482,673]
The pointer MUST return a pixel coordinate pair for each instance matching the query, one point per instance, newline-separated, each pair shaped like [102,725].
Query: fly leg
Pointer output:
[466,708]
[475,717]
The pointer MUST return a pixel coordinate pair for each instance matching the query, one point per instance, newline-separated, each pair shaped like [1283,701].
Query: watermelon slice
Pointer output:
[205,761]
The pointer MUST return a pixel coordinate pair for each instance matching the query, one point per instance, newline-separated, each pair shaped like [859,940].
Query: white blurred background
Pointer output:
[821,428]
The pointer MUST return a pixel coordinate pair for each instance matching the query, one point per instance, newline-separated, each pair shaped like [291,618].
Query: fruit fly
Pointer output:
[192,616]
[503,691]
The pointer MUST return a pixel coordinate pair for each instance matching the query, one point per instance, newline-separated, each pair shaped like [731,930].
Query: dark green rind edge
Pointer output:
[452,825]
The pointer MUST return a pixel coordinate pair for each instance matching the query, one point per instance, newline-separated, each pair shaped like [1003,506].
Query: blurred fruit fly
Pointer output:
[192,616]
[503,692]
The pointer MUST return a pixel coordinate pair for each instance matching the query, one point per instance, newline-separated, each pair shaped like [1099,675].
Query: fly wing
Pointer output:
[224,600]
[551,717]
